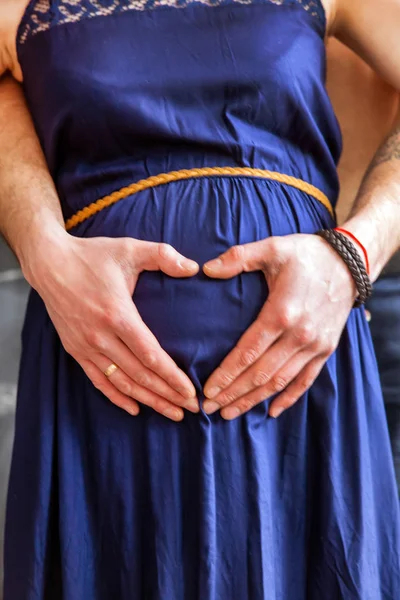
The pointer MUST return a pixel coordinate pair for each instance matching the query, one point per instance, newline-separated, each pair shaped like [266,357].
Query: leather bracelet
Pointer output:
[351,257]
[351,235]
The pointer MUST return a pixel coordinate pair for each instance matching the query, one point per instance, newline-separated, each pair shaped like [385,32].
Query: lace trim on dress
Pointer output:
[41,15]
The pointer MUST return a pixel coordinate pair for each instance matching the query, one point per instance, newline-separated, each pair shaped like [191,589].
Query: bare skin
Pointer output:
[301,322]
[366,108]
[11,13]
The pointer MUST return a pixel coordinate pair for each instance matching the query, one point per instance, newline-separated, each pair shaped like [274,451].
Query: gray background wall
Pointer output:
[13,297]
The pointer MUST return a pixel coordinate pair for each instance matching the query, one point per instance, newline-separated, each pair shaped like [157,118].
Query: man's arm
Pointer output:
[29,206]
[30,212]
[375,216]
[86,284]
[371,30]
[366,108]
[390,149]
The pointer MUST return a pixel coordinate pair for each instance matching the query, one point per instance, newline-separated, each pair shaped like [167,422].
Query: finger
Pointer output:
[258,375]
[129,389]
[260,336]
[278,384]
[120,355]
[101,383]
[131,329]
[246,257]
[152,256]
[297,387]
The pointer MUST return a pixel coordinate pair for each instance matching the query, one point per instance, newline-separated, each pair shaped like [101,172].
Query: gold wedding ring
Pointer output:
[110,370]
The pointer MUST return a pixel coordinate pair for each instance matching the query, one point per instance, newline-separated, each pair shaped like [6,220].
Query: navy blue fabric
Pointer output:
[103,505]
[192,87]
[384,306]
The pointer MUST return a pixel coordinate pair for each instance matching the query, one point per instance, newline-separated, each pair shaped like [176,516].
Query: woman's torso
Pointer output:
[121,90]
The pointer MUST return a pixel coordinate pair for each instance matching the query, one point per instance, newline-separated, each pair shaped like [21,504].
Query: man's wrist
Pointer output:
[346,248]
[40,247]
[375,243]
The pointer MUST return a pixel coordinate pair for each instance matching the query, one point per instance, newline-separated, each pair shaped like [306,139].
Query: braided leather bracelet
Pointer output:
[350,255]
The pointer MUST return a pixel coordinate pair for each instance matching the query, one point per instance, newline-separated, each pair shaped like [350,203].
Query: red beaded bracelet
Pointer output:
[353,237]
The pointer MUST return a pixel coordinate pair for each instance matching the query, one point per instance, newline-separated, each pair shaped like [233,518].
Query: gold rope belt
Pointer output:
[164,178]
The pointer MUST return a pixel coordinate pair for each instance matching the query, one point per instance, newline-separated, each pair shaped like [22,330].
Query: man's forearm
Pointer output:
[30,213]
[375,217]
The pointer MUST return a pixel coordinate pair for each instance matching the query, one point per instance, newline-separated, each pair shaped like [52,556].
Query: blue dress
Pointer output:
[102,505]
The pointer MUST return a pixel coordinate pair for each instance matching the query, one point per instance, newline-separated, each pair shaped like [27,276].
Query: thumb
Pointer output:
[255,256]
[152,256]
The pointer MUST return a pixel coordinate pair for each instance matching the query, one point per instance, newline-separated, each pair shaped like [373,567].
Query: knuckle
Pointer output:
[304,384]
[228,398]
[261,337]
[124,387]
[278,249]
[274,244]
[97,382]
[127,245]
[143,379]
[108,320]
[224,378]
[96,340]
[288,317]
[236,253]
[69,348]
[157,404]
[279,383]
[329,348]
[149,358]
[122,249]
[305,334]
[246,357]
[261,378]
[165,250]
[114,319]
[247,404]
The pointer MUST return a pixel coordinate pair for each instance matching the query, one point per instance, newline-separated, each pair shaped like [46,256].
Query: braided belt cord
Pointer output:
[164,178]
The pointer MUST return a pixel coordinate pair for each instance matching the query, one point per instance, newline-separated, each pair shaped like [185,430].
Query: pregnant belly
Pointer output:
[199,320]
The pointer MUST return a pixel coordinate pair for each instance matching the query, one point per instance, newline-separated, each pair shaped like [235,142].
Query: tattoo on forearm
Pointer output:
[390,150]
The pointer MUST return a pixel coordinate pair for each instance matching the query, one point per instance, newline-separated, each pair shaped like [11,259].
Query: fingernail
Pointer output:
[276,412]
[230,413]
[210,407]
[213,392]
[213,264]
[174,414]
[193,406]
[187,264]
[133,410]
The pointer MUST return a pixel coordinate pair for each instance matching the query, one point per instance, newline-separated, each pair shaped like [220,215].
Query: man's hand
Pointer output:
[87,286]
[311,293]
